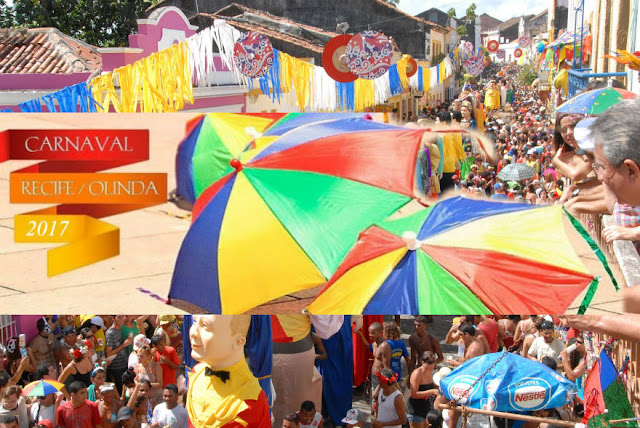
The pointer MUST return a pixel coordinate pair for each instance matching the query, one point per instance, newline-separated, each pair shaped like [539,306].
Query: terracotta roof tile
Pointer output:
[45,50]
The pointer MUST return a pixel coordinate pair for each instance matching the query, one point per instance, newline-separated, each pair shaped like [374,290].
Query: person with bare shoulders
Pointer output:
[422,391]
[422,341]
[526,324]
[381,352]
[533,333]
[454,334]
[473,346]
[109,405]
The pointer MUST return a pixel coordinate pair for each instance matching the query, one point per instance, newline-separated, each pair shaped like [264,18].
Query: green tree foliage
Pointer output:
[6,15]
[103,23]
[527,75]
[452,12]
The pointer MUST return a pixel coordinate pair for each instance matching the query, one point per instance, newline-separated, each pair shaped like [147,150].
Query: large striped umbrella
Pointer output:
[212,140]
[43,387]
[283,219]
[463,256]
[596,101]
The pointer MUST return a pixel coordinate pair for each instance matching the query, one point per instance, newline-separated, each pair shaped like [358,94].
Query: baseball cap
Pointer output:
[98,322]
[444,371]
[353,417]
[125,413]
[497,186]
[45,423]
[139,341]
[68,330]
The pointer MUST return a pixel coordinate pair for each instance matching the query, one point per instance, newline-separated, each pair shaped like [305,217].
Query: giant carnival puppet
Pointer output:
[222,390]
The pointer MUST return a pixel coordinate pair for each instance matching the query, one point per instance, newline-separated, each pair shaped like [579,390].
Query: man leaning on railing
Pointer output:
[616,134]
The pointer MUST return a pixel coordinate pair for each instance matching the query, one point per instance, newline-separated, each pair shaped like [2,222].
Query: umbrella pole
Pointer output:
[623,420]
[507,415]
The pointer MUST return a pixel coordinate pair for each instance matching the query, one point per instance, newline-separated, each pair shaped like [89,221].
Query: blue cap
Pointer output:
[497,186]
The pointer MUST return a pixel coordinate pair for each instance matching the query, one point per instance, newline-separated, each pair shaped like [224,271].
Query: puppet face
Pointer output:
[213,342]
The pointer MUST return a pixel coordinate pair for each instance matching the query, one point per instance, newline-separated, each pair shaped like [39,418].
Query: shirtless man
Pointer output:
[422,341]
[43,344]
[381,352]
[472,346]
[454,334]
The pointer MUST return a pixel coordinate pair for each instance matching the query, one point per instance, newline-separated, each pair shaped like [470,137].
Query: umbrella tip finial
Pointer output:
[236,164]
[411,239]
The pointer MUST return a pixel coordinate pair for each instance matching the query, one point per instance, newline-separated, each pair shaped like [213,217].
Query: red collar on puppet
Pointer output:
[388,380]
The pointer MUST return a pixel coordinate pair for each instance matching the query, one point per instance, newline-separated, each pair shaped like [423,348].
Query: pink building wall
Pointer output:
[27,324]
[40,81]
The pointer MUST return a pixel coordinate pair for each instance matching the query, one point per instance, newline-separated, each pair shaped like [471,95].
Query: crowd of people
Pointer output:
[114,371]
[518,122]
[416,399]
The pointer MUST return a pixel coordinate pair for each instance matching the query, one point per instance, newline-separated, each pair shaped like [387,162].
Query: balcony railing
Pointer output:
[578,79]
[621,350]
[622,255]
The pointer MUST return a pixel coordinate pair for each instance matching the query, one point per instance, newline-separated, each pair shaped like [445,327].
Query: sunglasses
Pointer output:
[579,342]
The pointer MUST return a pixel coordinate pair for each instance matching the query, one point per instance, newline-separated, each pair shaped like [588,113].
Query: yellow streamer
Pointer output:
[158,83]
[402,71]
[364,94]
[426,79]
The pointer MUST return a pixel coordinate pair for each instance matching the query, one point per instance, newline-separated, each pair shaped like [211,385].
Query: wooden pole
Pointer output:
[624,420]
[507,415]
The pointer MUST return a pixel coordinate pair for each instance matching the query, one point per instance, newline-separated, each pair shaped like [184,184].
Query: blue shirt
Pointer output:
[398,350]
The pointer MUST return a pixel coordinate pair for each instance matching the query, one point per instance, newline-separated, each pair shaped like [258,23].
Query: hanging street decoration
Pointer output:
[369,54]
[253,54]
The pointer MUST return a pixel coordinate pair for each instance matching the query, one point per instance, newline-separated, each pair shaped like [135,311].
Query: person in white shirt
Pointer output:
[390,407]
[546,345]
[170,413]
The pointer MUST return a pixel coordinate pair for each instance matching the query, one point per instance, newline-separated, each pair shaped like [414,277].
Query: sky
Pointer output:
[500,9]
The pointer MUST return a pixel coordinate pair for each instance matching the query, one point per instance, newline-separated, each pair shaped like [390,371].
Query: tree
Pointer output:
[6,15]
[469,17]
[527,75]
[103,23]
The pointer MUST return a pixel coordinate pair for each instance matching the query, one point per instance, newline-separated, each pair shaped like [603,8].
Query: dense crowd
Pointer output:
[415,398]
[114,371]
[518,123]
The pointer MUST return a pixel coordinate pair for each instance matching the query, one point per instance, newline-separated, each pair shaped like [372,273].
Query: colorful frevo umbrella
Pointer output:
[506,382]
[605,397]
[464,256]
[596,101]
[40,388]
[211,141]
[283,218]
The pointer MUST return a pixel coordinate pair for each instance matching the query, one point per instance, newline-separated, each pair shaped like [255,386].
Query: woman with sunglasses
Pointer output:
[422,390]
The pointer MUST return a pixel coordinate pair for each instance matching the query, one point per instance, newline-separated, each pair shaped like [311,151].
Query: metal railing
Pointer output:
[620,351]
[578,79]
[622,255]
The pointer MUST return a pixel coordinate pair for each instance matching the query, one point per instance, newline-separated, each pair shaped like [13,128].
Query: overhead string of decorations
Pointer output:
[357,74]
